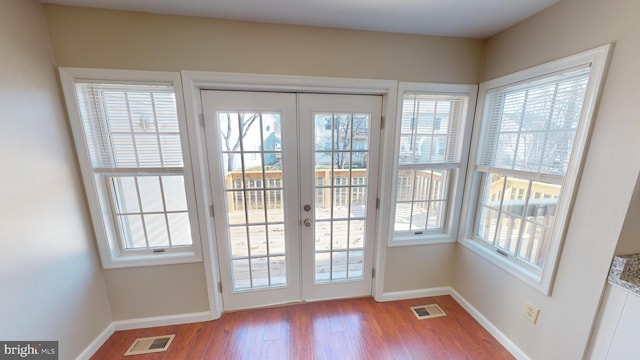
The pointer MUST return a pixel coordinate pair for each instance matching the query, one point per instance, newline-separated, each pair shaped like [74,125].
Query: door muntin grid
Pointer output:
[341,176]
[254,198]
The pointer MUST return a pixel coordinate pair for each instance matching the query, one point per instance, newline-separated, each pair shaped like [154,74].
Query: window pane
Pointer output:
[519,213]
[239,241]
[486,224]
[150,194]
[174,195]
[179,229]
[132,231]
[278,270]
[156,226]
[129,190]
[422,185]
[126,193]
[404,191]
[436,215]
[429,190]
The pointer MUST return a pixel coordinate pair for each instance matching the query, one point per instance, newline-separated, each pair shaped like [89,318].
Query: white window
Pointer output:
[531,137]
[431,145]
[130,143]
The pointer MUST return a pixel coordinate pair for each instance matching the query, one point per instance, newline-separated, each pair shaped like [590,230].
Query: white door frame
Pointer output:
[195,81]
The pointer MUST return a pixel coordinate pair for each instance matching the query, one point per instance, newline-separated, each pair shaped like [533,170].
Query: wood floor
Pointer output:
[335,330]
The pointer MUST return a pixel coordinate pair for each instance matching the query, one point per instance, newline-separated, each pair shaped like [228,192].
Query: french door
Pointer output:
[293,184]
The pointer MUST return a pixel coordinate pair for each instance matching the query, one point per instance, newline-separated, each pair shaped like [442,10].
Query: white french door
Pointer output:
[293,182]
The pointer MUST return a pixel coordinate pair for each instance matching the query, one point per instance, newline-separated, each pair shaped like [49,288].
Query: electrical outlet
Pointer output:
[531,313]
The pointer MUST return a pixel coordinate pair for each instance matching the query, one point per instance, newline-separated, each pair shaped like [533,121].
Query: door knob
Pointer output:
[307,222]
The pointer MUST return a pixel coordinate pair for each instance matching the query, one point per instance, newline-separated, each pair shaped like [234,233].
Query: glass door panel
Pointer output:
[335,179]
[251,142]
[341,174]
[252,164]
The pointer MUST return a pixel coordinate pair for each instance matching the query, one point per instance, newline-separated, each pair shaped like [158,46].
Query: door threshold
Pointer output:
[294,303]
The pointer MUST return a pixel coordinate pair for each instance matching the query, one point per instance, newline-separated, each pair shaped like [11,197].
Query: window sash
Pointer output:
[531,125]
[430,127]
[503,210]
[156,215]
[130,125]
[422,201]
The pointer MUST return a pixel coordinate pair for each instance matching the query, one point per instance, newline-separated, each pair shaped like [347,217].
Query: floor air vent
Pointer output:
[427,311]
[150,345]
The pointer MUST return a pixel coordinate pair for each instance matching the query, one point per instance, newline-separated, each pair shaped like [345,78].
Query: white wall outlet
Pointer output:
[531,313]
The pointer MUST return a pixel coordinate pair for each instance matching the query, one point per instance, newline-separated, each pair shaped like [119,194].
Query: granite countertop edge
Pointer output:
[616,276]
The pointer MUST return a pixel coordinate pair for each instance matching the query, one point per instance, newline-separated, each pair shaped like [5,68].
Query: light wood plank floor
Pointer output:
[334,330]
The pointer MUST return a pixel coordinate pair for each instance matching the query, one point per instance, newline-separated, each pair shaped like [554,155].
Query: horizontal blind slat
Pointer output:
[130,126]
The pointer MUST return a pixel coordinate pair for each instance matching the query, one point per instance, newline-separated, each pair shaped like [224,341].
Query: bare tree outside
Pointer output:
[341,137]
[245,121]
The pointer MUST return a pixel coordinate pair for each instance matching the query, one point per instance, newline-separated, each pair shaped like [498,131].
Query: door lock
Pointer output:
[307,207]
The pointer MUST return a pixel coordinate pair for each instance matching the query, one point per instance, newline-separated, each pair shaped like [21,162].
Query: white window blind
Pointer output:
[130,126]
[430,126]
[532,125]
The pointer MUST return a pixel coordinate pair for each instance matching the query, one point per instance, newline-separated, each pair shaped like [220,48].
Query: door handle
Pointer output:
[307,222]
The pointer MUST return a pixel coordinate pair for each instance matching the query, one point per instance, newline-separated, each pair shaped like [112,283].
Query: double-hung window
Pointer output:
[531,136]
[431,145]
[130,140]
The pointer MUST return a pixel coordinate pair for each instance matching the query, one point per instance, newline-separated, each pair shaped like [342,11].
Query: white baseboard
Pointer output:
[97,342]
[142,323]
[492,329]
[414,294]
[162,320]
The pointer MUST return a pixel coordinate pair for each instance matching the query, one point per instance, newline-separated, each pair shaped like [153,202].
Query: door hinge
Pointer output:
[377,203]
[373,273]
[202,120]
[211,210]
[220,286]
[381,122]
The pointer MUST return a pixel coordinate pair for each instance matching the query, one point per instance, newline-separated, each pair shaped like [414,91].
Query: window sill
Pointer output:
[532,279]
[139,260]
[424,240]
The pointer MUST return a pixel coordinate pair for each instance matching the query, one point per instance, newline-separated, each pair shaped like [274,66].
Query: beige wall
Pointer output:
[629,242]
[605,191]
[110,39]
[418,267]
[52,285]
[157,291]
[84,37]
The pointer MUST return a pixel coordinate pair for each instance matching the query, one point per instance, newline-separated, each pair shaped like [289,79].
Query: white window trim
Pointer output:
[542,281]
[449,235]
[108,244]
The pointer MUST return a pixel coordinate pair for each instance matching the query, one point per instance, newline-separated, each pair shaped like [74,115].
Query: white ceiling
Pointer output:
[460,18]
